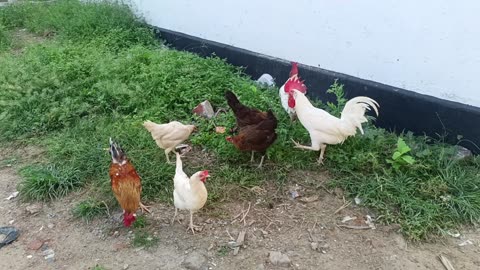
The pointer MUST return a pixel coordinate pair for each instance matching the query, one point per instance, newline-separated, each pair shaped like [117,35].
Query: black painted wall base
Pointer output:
[400,109]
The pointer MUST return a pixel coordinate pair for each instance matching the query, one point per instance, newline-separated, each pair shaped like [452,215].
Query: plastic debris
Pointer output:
[12,196]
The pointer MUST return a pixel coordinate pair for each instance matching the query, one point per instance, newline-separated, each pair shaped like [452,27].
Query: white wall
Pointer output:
[428,46]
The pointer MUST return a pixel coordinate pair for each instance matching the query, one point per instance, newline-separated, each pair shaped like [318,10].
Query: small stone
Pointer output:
[119,246]
[204,109]
[33,209]
[277,258]
[11,221]
[49,255]
[195,261]
[125,266]
[35,245]
[50,225]
[115,233]
[260,267]
[314,245]
[29,256]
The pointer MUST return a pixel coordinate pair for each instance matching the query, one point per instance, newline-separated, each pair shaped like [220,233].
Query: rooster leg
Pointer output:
[144,208]
[252,158]
[191,226]
[261,162]
[174,216]
[297,145]
[322,152]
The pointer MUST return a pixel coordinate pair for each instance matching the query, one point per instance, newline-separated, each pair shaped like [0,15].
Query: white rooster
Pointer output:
[293,76]
[325,128]
[189,193]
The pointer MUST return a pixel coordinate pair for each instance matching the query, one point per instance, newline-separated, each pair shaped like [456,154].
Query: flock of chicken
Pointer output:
[254,131]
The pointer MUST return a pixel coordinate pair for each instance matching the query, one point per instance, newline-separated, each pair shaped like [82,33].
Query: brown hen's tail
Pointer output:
[233,101]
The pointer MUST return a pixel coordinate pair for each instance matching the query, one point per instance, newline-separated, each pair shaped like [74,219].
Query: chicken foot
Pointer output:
[261,162]
[313,148]
[191,226]
[144,208]
[166,155]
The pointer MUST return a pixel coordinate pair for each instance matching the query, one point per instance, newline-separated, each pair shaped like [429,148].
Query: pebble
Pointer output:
[50,225]
[29,256]
[11,221]
[277,258]
[35,245]
[125,266]
[33,209]
[195,261]
[314,245]
[49,255]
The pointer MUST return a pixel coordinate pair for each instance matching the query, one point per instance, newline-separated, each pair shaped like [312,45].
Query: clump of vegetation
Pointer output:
[89,209]
[142,238]
[101,73]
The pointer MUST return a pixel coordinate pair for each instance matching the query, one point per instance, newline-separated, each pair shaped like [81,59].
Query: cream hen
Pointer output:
[168,136]
[189,193]
[325,128]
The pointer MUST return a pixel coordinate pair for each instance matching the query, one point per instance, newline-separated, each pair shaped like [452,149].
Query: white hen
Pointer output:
[189,193]
[325,128]
[283,92]
[168,136]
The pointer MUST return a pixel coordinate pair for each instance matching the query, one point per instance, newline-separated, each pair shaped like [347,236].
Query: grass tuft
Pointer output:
[90,209]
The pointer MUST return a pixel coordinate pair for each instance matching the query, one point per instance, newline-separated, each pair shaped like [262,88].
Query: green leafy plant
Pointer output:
[89,209]
[142,238]
[401,157]
[337,90]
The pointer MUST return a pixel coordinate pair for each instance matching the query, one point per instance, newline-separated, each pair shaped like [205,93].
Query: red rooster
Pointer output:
[126,184]
[256,128]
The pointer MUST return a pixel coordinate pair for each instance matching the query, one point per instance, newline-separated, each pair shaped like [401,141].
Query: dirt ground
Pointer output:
[308,230]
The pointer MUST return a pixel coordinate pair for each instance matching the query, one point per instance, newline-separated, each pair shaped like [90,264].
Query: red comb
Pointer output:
[294,70]
[295,83]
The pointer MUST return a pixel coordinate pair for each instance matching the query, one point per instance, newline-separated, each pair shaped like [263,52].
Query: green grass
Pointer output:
[90,208]
[101,73]
[142,238]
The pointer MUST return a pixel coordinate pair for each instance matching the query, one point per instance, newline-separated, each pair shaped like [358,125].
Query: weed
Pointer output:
[223,251]
[400,157]
[140,222]
[142,238]
[89,209]
[99,267]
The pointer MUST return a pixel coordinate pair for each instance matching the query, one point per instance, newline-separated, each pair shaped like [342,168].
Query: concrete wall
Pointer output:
[429,46]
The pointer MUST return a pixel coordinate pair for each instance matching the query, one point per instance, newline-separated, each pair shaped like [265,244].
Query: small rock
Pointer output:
[35,245]
[277,258]
[314,245]
[119,246]
[49,255]
[266,79]
[220,130]
[11,221]
[260,267]
[125,266]
[195,261]
[50,225]
[115,233]
[204,109]
[29,256]
[358,200]
[33,209]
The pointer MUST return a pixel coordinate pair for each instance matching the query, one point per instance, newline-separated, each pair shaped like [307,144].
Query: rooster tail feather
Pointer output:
[354,111]
[179,164]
